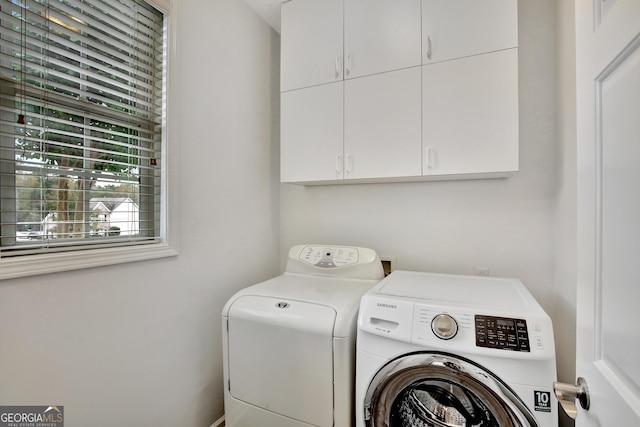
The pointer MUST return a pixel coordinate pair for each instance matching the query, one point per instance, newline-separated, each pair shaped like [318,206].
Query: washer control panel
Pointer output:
[457,314]
[502,333]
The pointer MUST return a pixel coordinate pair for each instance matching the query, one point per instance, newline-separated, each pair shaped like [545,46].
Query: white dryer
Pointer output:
[448,350]
[289,342]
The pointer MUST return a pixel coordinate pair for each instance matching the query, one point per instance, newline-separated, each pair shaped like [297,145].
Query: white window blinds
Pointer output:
[81,108]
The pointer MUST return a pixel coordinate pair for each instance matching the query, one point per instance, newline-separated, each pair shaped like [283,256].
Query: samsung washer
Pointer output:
[289,342]
[450,351]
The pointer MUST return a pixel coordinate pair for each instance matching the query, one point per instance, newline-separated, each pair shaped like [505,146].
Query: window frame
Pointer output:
[82,257]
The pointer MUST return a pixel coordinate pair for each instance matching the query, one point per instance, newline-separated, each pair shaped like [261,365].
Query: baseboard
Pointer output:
[219,423]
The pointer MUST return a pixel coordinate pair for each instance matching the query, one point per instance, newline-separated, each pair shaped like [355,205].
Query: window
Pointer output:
[81,125]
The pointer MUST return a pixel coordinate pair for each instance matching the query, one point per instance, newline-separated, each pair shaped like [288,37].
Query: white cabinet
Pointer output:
[311,44]
[376,135]
[325,41]
[389,90]
[311,134]
[381,35]
[382,128]
[470,87]
[470,115]
[459,28]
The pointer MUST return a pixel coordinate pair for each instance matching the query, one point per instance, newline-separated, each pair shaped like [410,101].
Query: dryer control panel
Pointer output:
[335,261]
[502,333]
[328,257]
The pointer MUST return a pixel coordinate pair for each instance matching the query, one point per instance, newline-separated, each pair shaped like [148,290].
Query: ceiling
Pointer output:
[269,10]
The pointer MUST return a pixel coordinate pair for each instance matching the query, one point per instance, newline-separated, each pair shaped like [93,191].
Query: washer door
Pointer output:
[441,390]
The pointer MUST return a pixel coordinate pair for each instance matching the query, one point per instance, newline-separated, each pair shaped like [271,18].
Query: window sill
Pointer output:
[32,265]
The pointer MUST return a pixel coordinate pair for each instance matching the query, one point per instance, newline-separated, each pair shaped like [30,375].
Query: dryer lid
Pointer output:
[439,390]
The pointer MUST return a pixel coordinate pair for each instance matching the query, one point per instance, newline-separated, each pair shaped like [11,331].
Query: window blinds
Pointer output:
[81,108]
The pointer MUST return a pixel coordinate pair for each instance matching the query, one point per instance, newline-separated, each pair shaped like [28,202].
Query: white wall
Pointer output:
[507,225]
[565,231]
[139,344]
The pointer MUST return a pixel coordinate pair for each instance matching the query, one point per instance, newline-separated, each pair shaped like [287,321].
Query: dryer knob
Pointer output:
[444,326]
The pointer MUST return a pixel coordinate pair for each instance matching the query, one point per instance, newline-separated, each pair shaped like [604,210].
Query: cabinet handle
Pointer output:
[338,163]
[428,158]
[349,163]
[338,65]
[428,47]
[349,64]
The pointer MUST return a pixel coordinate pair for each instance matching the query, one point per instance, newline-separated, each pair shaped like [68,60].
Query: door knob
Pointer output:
[568,393]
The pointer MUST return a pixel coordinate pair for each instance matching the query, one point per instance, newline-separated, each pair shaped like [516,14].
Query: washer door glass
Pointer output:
[438,390]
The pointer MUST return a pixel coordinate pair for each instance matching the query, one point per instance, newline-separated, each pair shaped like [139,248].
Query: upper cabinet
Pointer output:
[311,134]
[382,125]
[470,119]
[398,90]
[312,43]
[366,128]
[331,40]
[380,35]
[458,28]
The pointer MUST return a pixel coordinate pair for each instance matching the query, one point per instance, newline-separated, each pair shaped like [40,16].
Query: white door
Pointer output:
[608,120]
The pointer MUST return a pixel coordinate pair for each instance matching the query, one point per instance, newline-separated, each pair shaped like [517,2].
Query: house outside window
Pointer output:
[82,105]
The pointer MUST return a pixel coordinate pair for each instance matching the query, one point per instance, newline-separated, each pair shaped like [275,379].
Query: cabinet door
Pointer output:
[458,28]
[382,125]
[381,35]
[311,43]
[470,114]
[311,133]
